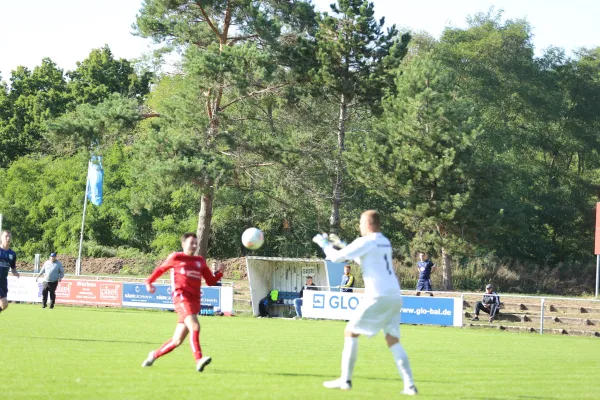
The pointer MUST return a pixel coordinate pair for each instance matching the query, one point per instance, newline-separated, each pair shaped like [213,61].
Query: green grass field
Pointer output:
[87,353]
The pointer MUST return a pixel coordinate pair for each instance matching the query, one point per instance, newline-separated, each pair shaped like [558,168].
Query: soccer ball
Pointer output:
[253,238]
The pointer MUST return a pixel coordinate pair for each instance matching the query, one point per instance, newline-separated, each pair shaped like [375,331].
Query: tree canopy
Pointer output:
[473,148]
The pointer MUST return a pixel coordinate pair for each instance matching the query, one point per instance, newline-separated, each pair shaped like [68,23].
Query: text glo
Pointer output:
[343,303]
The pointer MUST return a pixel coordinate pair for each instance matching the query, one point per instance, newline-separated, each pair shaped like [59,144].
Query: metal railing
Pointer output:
[542,299]
[115,278]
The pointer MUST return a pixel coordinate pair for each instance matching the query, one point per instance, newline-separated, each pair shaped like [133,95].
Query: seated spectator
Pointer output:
[490,304]
[298,302]
[347,280]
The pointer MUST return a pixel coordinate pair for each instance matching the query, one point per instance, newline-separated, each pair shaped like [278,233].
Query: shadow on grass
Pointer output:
[325,376]
[248,372]
[504,398]
[534,397]
[90,340]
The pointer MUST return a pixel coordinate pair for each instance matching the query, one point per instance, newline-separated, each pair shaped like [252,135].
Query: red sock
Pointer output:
[164,349]
[195,343]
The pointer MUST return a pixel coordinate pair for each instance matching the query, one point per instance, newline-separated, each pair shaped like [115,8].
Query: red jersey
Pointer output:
[186,274]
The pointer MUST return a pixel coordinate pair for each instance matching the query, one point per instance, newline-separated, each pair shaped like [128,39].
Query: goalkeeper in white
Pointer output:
[380,307]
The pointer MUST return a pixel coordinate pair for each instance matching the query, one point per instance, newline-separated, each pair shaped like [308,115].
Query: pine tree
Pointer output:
[234,51]
[420,155]
[355,59]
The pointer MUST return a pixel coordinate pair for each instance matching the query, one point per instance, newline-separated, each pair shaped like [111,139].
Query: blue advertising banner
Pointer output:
[135,295]
[335,272]
[428,310]
[211,296]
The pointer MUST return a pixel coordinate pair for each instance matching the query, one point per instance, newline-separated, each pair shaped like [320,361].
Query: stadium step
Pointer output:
[567,309]
[530,329]
[551,308]
[578,321]
[508,306]
[561,316]
[515,317]
[504,317]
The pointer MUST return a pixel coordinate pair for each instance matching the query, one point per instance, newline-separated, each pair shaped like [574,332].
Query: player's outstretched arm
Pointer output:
[158,271]
[355,249]
[150,288]
[209,278]
[336,242]
[350,252]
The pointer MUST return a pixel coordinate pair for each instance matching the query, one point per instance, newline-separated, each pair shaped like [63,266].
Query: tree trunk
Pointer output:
[213,109]
[446,259]
[446,269]
[204,219]
[336,199]
[207,191]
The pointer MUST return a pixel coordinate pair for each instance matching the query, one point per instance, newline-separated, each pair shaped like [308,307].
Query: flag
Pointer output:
[95,179]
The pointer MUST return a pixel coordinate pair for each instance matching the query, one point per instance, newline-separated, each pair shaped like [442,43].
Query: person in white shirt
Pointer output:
[381,305]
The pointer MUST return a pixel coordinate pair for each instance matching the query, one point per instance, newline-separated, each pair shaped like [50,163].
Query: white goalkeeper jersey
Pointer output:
[374,254]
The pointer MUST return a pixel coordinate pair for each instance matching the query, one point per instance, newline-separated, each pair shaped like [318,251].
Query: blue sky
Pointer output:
[66,30]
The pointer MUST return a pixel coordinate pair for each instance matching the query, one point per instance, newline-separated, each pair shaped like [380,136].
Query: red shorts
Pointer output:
[185,306]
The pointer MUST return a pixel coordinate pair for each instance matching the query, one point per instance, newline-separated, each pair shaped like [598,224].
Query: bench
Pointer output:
[285,299]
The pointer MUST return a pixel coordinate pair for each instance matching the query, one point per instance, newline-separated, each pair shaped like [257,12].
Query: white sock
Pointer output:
[401,359]
[349,357]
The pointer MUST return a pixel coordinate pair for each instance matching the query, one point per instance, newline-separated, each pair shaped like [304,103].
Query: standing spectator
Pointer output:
[215,269]
[425,268]
[53,272]
[490,304]
[298,302]
[8,261]
[347,280]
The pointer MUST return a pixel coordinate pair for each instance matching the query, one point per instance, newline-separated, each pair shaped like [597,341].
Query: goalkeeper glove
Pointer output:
[336,242]
[321,239]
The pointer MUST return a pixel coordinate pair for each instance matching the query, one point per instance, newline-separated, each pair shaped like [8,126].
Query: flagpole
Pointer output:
[78,264]
[597,274]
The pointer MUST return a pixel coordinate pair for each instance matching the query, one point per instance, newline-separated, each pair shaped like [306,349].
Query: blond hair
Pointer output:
[373,219]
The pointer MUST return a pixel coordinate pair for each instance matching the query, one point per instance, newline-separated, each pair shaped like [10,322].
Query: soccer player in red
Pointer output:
[186,273]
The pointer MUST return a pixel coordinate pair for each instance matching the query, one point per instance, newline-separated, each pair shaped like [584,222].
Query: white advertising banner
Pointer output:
[227,299]
[24,289]
[329,305]
[443,311]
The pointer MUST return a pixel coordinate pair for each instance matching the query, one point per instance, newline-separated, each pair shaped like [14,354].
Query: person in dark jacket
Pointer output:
[8,262]
[310,285]
[490,304]
[425,268]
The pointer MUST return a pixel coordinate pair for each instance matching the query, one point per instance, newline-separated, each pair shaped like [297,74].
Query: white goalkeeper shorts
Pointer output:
[376,313]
